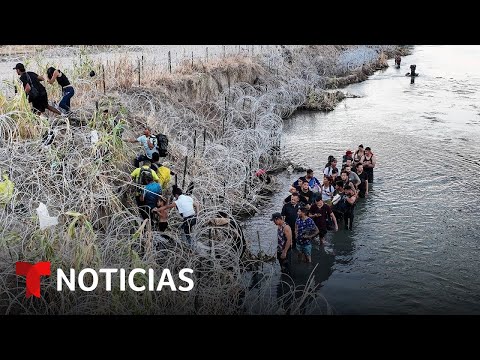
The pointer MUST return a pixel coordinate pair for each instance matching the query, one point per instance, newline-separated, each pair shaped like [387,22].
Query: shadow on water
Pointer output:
[299,293]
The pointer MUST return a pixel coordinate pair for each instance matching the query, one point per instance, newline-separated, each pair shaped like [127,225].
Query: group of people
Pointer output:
[37,93]
[152,179]
[314,207]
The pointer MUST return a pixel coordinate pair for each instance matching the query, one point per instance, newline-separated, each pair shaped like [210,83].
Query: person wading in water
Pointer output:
[284,242]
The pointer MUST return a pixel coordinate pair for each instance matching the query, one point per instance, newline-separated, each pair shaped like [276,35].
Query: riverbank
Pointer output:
[223,117]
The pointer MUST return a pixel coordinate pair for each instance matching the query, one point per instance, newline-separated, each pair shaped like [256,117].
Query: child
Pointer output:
[162,214]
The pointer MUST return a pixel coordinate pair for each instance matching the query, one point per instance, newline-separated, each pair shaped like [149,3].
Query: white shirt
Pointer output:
[185,205]
[143,140]
[325,191]
[328,171]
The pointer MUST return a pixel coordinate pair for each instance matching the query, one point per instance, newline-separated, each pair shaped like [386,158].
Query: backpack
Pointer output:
[330,189]
[141,179]
[162,145]
[341,205]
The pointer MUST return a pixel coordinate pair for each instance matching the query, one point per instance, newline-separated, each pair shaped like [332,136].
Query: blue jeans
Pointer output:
[305,248]
[188,223]
[67,93]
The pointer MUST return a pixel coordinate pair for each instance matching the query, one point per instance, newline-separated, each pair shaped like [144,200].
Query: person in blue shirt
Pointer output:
[305,230]
[312,180]
[151,192]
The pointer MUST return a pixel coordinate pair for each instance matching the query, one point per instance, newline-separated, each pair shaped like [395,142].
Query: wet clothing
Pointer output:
[345,183]
[285,263]
[362,187]
[188,223]
[281,238]
[349,213]
[312,182]
[348,219]
[330,171]
[304,228]
[357,157]
[305,248]
[40,103]
[325,191]
[307,197]
[353,177]
[29,77]
[345,158]
[324,212]
[367,170]
[301,197]
[341,207]
[290,213]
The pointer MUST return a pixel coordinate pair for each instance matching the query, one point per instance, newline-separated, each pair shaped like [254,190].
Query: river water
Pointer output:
[415,245]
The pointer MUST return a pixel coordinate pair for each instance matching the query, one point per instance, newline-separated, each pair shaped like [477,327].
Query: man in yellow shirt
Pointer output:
[163,172]
[138,176]
[146,165]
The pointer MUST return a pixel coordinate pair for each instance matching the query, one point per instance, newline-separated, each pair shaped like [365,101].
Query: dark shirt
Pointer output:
[155,166]
[296,186]
[307,197]
[302,198]
[349,207]
[363,177]
[63,80]
[291,213]
[369,162]
[304,227]
[324,211]
[345,158]
[281,238]
[34,81]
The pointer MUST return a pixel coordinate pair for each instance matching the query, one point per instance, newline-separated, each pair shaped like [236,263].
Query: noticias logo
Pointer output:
[33,272]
